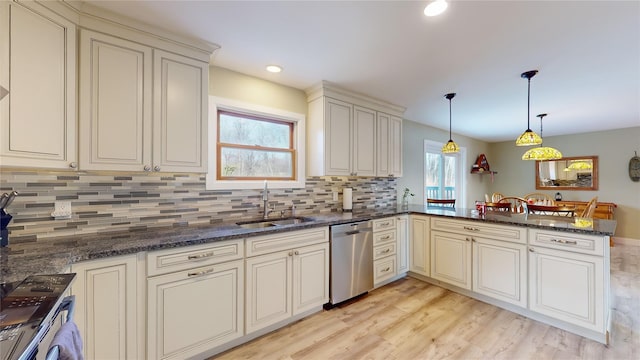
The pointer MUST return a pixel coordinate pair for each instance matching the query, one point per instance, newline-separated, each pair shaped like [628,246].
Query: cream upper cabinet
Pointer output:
[389,145]
[351,134]
[364,142]
[115,103]
[38,68]
[141,109]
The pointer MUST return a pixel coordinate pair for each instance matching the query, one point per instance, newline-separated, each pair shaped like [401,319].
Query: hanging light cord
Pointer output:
[529,103]
[450,118]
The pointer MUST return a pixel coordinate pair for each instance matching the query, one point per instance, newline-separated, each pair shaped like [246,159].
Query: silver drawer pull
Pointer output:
[200,273]
[200,256]
[386,237]
[568,242]
[387,269]
[386,251]
[471,228]
[385,224]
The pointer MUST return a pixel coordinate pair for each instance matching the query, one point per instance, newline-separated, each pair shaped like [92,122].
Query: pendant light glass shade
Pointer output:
[542,152]
[528,138]
[450,147]
[580,165]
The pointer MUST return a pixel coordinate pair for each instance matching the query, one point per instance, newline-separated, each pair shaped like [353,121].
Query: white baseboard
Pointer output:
[625,241]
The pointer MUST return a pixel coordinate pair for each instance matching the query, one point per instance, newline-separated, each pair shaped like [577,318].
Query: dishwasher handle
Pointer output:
[353,232]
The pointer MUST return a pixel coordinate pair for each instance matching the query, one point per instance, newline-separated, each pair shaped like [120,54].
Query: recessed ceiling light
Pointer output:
[435,8]
[274,68]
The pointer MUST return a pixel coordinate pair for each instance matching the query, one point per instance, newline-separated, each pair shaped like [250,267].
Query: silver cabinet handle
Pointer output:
[73,165]
[200,273]
[156,168]
[531,250]
[568,242]
[296,252]
[385,224]
[387,269]
[386,237]
[471,228]
[200,256]
[467,239]
[147,168]
[290,253]
[386,251]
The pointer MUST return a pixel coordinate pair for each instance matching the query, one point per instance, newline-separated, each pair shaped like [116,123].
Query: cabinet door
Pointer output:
[192,311]
[115,103]
[567,286]
[451,258]
[180,113]
[338,131]
[310,277]
[402,248]
[500,270]
[395,146]
[106,307]
[268,289]
[364,141]
[382,145]
[420,260]
[38,68]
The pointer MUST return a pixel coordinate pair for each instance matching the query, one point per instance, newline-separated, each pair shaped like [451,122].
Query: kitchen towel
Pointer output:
[347,199]
[68,341]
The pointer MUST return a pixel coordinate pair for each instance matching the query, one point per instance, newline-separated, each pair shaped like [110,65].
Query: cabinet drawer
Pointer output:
[177,259]
[586,244]
[384,224]
[384,250]
[286,240]
[384,237]
[490,231]
[384,269]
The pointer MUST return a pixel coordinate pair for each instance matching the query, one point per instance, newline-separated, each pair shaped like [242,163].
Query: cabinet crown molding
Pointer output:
[326,88]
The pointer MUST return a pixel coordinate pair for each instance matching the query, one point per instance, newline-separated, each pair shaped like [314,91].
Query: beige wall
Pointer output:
[413,137]
[614,149]
[233,85]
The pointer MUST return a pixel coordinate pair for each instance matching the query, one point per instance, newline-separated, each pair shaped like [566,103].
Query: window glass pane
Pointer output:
[255,163]
[449,177]
[432,176]
[236,129]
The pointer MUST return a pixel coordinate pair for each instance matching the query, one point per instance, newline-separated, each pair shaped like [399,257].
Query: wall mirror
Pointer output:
[569,173]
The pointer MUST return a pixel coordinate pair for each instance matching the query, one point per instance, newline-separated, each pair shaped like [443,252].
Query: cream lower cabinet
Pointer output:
[385,250]
[402,248]
[567,278]
[107,309]
[38,68]
[451,258]
[195,299]
[291,276]
[419,234]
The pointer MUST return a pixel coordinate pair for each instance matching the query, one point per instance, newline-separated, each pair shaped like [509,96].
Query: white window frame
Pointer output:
[461,178]
[298,120]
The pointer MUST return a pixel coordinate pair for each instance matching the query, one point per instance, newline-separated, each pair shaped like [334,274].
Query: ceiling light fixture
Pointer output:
[274,68]
[580,165]
[542,152]
[450,147]
[528,137]
[435,8]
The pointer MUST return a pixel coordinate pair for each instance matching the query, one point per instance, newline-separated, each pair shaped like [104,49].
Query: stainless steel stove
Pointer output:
[27,310]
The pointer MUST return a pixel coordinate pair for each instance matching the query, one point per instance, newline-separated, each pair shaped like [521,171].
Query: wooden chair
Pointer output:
[441,202]
[498,206]
[517,204]
[550,210]
[590,209]
[539,198]
[496,196]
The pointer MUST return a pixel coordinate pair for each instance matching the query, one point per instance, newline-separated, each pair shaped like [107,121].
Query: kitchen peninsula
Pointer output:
[545,268]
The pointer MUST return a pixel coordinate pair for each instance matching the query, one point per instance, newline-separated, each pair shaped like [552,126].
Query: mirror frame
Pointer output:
[594,174]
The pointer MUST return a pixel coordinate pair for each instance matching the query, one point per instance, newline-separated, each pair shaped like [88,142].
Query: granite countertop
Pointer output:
[53,255]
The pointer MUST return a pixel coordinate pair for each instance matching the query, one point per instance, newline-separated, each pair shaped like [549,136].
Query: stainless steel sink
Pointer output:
[274,222]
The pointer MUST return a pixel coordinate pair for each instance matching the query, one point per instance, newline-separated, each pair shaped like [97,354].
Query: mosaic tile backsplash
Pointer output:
[102,202]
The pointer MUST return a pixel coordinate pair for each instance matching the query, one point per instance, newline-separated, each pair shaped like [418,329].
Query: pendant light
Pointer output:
[450,147]
[542,152]
[528,137]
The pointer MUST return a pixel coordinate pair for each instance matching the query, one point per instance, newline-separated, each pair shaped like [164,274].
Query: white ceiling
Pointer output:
[587,52]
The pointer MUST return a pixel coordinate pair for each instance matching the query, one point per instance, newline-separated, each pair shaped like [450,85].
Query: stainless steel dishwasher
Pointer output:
[351,260]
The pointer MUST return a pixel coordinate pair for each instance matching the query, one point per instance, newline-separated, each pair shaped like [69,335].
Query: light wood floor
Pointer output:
[410,319]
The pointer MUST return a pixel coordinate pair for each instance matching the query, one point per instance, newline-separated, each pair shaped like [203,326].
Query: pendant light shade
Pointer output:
[450,147]
[528,138]
[542,152]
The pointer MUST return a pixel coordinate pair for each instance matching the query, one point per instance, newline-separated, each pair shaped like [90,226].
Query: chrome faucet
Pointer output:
[265,202]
